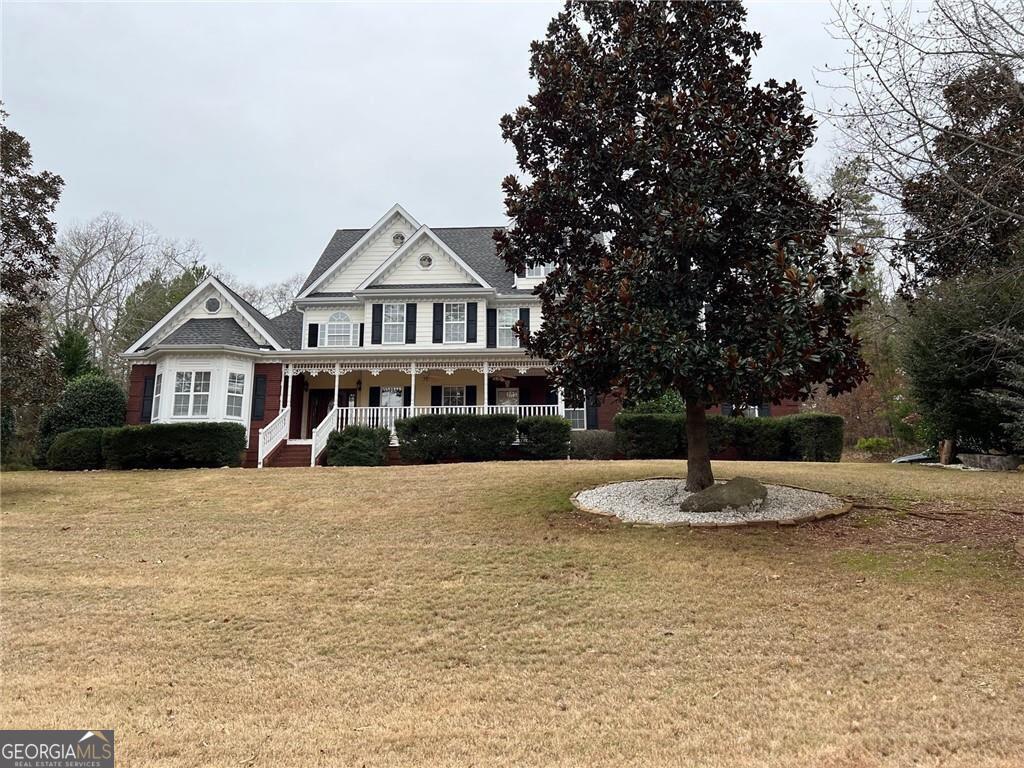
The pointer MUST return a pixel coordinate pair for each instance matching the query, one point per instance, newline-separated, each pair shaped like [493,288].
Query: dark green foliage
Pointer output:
[6,432]
[759,439]
[814,437]
[78,449]
[803,437]
[357,447]
[649,435]
[669,402]
[73,354]
[455,437]
[952,358]
[175,446]
[544,437]
[93,400]
[592,444]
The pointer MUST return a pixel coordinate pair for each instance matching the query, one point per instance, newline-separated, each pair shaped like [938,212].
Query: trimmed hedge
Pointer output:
[592,444]
[815,436]
[78,449]
[357,447]
[544,437]
[435,437]
[175,446]
[649,435]
[801,437]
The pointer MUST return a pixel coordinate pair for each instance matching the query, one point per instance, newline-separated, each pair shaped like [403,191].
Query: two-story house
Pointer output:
[395,320]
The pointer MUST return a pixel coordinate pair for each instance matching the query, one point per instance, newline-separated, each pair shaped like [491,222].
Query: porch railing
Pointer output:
[321,432]
[272,434]
[386,416]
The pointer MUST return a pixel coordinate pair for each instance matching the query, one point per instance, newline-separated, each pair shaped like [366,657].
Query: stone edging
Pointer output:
[845,507]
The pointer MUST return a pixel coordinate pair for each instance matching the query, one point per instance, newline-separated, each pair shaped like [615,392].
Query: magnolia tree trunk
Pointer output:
[698,459]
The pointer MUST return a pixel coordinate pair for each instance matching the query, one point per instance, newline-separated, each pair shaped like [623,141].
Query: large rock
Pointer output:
[990,461]
[742,494]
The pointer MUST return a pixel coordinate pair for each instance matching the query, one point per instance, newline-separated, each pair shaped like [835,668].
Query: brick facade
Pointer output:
[136,386]
[271,407]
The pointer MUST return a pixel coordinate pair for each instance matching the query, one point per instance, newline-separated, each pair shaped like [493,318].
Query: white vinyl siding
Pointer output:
[394,324]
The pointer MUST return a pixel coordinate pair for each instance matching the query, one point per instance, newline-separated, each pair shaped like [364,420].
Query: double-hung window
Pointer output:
[341,331]
[236,391]
[157,385]
[394,324]
[540,270]
[455,322]
[506,319]
[392,397]
[577,414]
[191,393]
[453,396]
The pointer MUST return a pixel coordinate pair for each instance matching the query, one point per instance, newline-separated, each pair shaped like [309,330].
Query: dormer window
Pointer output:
[398,239]
[541,270]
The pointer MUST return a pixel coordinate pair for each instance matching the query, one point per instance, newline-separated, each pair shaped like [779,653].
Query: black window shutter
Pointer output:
[362,327]
[435,395]
[147,400]
[471,394]
[410,323]
[551,396]
[765,410]
[591,411]
[377,324]
[407,396]
[375,397]
[524,319]
[471,322]
[438,323]
[492,392]
[259,395]
[492,328]
[312,335]
[726,409]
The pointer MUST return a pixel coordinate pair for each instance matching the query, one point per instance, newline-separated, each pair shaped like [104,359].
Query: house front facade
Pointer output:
[393,321]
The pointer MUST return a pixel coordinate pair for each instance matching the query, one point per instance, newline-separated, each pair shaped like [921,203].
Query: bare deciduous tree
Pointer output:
[101,263]
[271,299]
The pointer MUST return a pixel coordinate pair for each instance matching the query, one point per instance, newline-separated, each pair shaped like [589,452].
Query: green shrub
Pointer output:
[544,437]
[592,444]
[357,447]
[438,437]
[77,449]
[721,433]
[649,435]
[876,446]
[175,446]
[93,400]
[760,439]
[814,436]
[669,402]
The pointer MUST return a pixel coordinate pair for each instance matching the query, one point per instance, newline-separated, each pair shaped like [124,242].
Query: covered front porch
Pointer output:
[319,397]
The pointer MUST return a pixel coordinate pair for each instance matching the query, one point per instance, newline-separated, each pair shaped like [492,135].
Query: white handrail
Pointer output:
[322,432]
[271,434]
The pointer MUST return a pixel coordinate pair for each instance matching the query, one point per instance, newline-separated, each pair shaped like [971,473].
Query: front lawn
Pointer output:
[467,615]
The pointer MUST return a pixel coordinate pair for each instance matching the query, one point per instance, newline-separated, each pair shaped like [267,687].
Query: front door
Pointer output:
[319,406]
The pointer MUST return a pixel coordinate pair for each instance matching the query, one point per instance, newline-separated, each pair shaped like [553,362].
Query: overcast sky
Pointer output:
[257,129]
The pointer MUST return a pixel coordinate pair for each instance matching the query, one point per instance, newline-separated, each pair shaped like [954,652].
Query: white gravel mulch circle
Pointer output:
[656,502]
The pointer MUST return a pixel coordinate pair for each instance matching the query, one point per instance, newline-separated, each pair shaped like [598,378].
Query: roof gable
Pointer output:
[331,262]
[403,267]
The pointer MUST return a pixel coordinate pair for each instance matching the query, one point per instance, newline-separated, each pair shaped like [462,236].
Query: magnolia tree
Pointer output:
[665,191]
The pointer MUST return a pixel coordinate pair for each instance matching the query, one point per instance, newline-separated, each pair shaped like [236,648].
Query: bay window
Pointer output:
[157,386]
[236,391]
[191,393]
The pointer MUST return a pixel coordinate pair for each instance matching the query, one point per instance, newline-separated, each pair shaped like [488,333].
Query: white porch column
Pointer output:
[412,386]
[561,403]
[280,393]
[487,388]
[291,375]
[337,377]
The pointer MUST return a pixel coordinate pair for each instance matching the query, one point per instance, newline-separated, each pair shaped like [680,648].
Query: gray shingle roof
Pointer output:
[212,330]
[289,325]
[258,316]
[474,245]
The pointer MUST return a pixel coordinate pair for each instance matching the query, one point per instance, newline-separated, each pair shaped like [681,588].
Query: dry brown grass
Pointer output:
[465,615]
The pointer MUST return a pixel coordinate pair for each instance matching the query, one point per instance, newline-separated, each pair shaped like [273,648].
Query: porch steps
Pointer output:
[289,455]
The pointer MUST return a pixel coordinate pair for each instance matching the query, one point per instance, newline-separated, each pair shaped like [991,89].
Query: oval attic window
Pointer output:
[213,305]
